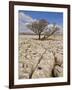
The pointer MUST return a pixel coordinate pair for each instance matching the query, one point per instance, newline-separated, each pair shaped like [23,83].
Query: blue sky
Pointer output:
[51,17]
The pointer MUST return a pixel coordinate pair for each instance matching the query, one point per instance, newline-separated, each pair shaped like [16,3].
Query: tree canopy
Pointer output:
[38,26]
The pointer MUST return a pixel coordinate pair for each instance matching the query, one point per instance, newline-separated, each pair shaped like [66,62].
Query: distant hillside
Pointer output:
[22,33]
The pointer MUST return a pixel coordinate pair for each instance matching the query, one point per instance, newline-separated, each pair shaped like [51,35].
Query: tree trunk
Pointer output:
[39,36]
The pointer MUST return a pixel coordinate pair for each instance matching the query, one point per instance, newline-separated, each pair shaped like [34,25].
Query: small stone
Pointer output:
[58,58]
[58,71]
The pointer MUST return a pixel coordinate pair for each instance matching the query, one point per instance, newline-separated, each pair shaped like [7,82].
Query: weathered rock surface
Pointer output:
[36,58]
[58,71]
[44,68]
[58,58]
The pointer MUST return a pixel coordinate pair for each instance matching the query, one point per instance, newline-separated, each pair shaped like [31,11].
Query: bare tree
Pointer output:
[38,27]
[51,31]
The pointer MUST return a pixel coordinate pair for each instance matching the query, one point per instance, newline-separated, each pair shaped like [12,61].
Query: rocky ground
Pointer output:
[40,58]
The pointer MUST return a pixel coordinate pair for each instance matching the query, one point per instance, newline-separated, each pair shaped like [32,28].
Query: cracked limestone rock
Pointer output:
[58,71]
[44,68]
[58,59]
[30,52]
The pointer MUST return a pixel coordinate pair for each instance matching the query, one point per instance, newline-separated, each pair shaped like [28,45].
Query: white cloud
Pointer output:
[50,26]
[23,20]
[23,28]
